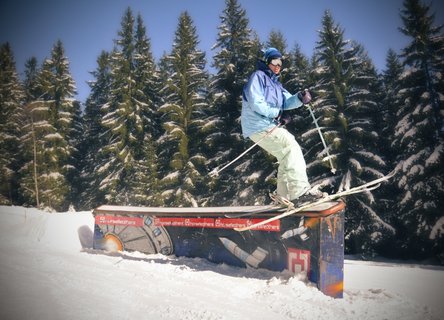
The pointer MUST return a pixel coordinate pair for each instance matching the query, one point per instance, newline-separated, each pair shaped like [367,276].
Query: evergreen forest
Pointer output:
[150,131]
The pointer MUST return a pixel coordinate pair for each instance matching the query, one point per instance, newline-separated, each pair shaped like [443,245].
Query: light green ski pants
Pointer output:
[292,180]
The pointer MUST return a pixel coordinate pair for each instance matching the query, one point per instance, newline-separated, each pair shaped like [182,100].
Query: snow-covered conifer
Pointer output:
[237,51]
[94,133]
[418,135]
[183,115]
[127,120]
[51,133]
[11,100]
[347,104]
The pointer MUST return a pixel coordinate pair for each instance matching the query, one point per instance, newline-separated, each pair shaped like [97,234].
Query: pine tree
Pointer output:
[331,78]
[347,107]
[31,79]
[234,61]
[299,70]
[147,79]
[51,132]
[11,100]
[123,124]
[36,127]
[391,103]
[127,115]
[30,135]
[146,184]
[419,135]
[425,53]
[183,118]
[74,167]
[94,132]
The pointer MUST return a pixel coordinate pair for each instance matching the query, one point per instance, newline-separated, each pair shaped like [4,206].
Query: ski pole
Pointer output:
[333,169]
[215,172]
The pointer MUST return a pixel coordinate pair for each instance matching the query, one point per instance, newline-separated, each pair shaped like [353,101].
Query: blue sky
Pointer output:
[86,27]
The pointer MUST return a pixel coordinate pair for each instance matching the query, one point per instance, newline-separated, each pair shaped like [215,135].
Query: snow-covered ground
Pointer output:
[49,271]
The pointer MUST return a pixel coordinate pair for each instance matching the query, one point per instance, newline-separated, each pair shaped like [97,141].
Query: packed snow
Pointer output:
[50,271]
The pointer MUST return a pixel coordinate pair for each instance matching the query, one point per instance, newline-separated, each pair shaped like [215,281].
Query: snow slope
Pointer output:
[49,271]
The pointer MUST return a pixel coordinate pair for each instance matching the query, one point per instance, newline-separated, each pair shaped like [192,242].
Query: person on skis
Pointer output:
[264,106]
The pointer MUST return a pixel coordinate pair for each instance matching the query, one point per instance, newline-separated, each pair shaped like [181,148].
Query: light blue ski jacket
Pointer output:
[264,99]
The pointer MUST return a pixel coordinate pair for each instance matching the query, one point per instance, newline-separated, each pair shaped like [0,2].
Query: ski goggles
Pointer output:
[276,62]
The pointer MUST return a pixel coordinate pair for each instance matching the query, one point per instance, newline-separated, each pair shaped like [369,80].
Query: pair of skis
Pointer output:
[292,210]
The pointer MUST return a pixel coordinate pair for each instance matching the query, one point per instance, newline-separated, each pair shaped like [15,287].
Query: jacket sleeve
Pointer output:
[291,101]
[254,93]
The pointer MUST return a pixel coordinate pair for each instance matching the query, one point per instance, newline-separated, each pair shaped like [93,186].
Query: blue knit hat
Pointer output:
[270,54]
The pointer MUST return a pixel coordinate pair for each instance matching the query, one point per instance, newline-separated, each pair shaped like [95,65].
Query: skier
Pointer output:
[264,106]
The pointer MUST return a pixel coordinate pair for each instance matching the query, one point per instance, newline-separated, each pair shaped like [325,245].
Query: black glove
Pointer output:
[284,119]
[304,96]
